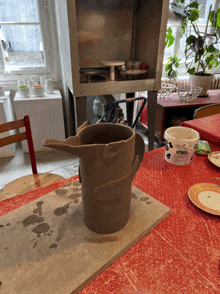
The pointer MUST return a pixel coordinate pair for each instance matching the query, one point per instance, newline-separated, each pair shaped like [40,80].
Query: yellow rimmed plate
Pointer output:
[214,158]
[206,197]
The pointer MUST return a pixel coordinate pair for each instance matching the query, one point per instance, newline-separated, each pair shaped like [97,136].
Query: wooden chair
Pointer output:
[207,111]
[30,182]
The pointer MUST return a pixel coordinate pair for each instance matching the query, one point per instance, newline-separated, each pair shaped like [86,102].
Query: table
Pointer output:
[181,254]
[208,128]
[166,109]
[46,118]
[6,115]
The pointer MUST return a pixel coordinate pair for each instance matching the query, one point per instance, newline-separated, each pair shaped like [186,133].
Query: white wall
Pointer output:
[64,43]
[64,52]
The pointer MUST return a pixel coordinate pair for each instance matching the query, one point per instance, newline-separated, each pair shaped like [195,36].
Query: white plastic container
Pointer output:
[180,145]
[24,92]
[39,91]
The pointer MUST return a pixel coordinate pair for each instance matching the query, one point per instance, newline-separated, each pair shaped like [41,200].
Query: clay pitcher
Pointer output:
[109,157]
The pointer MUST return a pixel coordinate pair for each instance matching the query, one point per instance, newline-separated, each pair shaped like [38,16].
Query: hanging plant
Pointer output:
[201,51]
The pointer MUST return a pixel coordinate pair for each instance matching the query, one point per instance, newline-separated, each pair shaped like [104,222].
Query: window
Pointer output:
[25,32]
[178,47]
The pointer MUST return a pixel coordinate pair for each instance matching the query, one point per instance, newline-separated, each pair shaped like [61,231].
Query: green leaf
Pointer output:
[194,14]
[211,18]
[210,59]
[191,40]
[171,40]
[168,66]
[172,74]
[211,48]
[218,19]
[194,4]
[169,31]
[191,70]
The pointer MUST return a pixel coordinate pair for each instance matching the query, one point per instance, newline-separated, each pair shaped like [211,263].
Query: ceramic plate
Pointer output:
[206,196]
[214,158]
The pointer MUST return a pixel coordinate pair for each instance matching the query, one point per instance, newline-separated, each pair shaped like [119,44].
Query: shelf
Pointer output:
[115,87]
[116,31]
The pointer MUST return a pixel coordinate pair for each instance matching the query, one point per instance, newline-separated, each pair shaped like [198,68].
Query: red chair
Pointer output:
[29,182]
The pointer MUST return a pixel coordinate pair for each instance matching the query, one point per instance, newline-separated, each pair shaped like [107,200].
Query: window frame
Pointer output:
[44,11]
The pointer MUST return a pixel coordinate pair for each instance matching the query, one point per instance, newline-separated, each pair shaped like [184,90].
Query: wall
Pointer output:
[64,49]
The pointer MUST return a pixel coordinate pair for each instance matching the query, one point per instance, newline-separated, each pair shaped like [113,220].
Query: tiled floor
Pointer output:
[53,161]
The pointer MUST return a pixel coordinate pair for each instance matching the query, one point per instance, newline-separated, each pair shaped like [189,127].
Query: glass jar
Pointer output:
[49,86]
[34,79]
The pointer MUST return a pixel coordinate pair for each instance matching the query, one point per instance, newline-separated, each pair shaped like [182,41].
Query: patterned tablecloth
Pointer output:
[181,254]
[208,128]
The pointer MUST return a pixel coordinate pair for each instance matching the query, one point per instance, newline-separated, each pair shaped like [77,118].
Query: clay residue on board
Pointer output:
[61,192]
[53,246]
[133,195]
[32,220]
[74,195]
[61,210]
[39,208]
[144,198]
[42,228]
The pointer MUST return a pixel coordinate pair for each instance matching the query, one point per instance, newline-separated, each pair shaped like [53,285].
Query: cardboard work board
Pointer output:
[46,248]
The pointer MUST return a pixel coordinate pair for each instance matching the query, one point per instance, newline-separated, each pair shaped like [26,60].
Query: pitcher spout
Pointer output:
[71,145]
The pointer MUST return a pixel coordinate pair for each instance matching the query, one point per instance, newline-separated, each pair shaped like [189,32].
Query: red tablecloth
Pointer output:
[208,128]
[181,254]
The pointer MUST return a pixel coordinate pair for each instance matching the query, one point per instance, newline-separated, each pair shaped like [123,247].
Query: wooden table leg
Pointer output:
[80,104]
[130,108]
[151,117]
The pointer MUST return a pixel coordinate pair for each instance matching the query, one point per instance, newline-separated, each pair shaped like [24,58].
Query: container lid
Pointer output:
[181,133]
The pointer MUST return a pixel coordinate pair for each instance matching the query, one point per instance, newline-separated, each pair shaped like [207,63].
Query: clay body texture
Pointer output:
[109,157]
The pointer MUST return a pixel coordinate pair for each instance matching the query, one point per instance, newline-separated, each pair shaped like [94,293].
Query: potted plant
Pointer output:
[201,52]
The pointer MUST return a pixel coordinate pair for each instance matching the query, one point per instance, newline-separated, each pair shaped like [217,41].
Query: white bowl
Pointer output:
[166,90]
[188,93]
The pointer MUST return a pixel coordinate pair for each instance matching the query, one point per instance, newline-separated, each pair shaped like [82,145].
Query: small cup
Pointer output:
[49,86]
[38,91]
[24,91]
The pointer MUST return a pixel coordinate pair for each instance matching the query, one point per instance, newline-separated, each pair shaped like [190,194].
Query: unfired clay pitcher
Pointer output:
[109,157]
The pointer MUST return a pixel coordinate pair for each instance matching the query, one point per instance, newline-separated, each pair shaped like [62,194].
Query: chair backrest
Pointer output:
[24,122]
[207,111]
